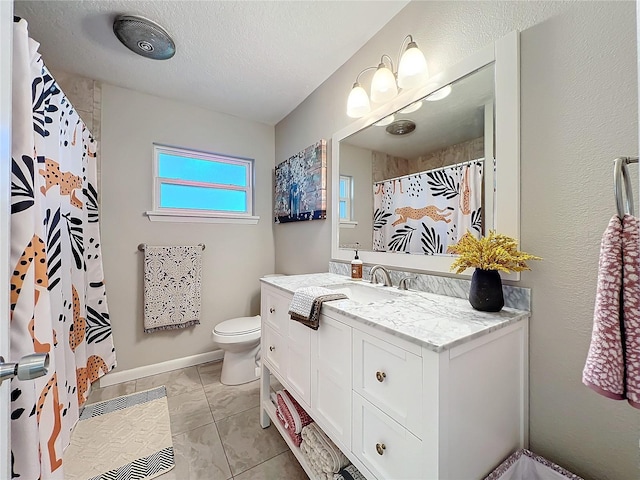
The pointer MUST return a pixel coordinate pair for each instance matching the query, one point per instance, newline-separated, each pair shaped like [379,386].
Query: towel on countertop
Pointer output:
[172,287]
[321,451]
[350,472]
[292,415]
[612,367]
[307,302]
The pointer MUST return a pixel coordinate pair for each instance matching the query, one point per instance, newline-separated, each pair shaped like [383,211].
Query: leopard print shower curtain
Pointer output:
[425,212]
[58,297]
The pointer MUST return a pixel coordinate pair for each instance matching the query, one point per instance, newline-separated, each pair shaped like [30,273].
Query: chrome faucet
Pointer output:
[385,275]
[404,282]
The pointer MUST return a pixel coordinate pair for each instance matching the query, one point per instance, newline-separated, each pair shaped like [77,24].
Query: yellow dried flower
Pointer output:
[493,252]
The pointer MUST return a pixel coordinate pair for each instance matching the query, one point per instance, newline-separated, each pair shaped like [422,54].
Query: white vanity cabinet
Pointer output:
[331,379]
[398,409]
[285,344]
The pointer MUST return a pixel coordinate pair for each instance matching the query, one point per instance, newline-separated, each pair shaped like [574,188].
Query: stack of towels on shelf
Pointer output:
[324,458]
[291,415]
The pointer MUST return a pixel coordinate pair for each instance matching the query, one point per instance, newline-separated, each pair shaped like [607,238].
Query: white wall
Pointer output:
[579,110]
[235,256]
[358,166]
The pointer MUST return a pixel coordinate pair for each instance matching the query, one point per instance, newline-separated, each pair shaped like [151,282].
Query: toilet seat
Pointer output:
[238,326]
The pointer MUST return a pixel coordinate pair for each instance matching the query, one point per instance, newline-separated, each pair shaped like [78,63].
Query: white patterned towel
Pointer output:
[307,302]
[322,453]
[172,279]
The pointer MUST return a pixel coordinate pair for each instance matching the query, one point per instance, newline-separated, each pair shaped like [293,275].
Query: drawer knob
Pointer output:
[272,310]
[381,376]
[380,448]
[271,348]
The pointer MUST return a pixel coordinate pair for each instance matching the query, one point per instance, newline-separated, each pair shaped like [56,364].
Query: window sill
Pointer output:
[195,217]
[349,224]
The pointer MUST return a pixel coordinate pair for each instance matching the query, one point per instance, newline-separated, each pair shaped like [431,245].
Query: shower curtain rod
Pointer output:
[142,246]
[436,169]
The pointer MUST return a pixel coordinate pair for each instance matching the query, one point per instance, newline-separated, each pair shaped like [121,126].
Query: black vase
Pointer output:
[486,291]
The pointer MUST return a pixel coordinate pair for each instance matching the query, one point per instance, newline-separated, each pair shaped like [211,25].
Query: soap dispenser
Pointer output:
[356,266]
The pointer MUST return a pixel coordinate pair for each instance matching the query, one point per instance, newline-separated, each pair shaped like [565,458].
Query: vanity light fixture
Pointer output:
[412,72]
[414,107]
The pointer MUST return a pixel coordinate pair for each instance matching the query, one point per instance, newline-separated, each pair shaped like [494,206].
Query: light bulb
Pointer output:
[385,121]
[439,94]
[412,70]
[358,102]
[383,85]
[415,106]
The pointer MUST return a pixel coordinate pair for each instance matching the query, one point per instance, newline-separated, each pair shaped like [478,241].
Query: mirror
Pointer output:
[441,138]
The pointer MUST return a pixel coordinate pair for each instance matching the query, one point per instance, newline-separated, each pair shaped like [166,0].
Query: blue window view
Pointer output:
[202,198]
[343,209]
[197,170]
[344,188]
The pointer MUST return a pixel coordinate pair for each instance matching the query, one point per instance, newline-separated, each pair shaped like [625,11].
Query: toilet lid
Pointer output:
[238,326]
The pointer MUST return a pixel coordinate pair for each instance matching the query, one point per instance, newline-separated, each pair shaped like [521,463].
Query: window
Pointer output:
[346,201]
[200,186]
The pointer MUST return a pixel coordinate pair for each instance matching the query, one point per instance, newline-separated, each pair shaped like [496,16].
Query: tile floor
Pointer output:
[216,428]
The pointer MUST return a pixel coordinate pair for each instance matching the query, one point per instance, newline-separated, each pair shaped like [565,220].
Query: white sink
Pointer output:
[365,292]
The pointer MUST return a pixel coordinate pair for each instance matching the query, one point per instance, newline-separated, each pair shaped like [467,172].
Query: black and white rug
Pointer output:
[128,437]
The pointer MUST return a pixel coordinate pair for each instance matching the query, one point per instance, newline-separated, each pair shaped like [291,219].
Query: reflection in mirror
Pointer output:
[447,131]
[418,179]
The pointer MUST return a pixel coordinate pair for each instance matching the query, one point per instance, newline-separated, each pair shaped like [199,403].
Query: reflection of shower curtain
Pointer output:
[427,211]
[58,302]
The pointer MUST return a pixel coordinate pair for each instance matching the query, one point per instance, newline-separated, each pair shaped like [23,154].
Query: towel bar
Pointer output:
[142,246]
[624,195]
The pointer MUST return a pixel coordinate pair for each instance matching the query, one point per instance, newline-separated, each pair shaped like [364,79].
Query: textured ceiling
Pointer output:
[255,60]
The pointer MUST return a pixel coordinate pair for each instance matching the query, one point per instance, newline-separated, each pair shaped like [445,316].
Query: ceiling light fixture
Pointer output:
[385,121]
[144,37]
[414,107]
[439,94]
[412,72]
[401,127]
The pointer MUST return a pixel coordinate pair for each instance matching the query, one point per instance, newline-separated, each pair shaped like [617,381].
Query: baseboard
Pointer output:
[114,377]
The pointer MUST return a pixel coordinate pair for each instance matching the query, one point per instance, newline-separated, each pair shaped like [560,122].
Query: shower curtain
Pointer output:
[425,212]
[58,299]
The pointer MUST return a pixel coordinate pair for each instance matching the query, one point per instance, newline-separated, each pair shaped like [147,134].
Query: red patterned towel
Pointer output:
[631,306]
[292,415]
[613,363]
[604,369]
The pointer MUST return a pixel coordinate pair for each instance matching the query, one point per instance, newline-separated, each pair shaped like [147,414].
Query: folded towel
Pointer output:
[349,472]
[307,302]
[323,450]
[172,279]
[613,363]
[631,306]
[292,415]
[313,461]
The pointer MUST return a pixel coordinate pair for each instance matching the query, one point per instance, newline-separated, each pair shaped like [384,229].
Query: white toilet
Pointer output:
[240,340]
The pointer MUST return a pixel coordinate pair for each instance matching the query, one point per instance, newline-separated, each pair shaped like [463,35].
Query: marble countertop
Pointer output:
[436,322]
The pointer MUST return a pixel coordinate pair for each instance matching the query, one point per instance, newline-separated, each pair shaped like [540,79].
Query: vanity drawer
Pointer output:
[389,450]
[275,310]
[274,349]
[389,377]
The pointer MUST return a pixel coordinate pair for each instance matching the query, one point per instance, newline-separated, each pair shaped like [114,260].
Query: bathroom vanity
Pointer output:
[409,385]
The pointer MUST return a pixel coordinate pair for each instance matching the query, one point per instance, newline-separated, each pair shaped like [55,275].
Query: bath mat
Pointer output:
[128,437]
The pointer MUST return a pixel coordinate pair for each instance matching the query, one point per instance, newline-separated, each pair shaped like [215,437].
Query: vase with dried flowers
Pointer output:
[489,255]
